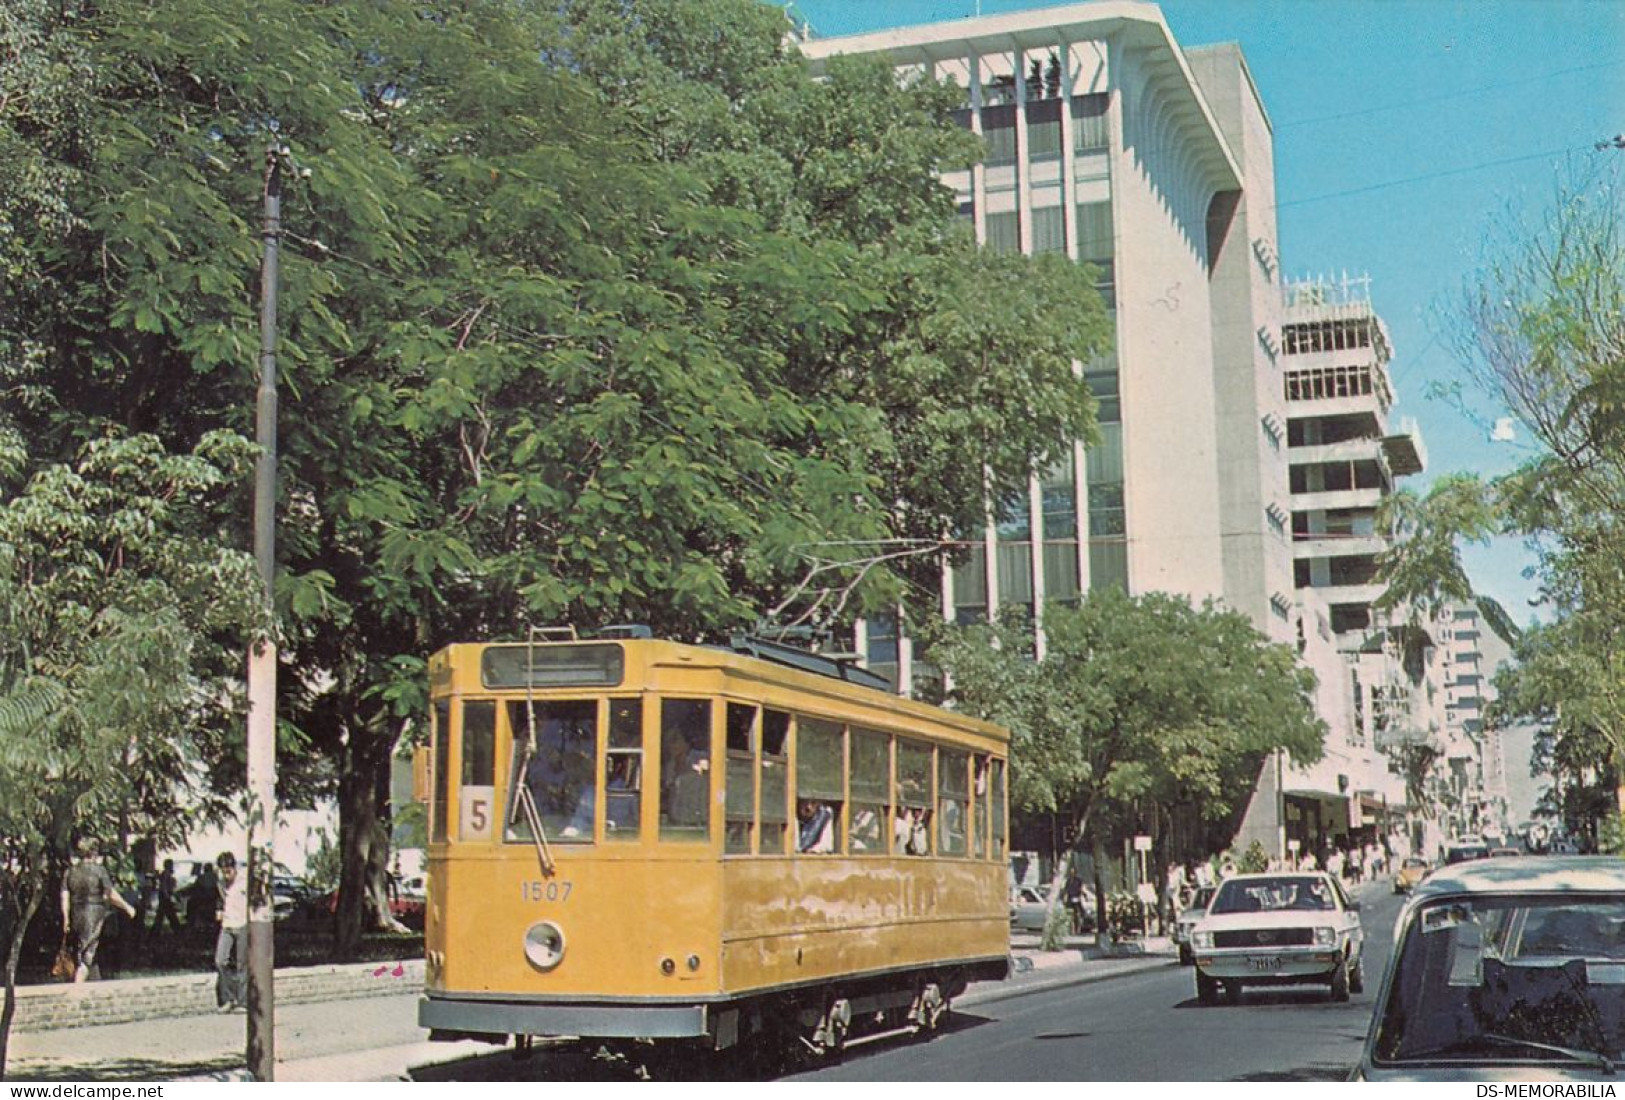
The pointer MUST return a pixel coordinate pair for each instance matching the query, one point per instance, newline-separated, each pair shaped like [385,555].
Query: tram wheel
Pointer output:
[929,1008]
[523,1047]
[833,1029]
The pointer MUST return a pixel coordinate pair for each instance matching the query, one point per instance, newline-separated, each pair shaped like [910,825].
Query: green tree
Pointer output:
[557,346]
[1137,700]
[117,666]
[1540,331]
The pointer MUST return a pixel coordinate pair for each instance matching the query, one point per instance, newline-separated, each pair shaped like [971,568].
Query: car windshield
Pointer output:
[1258,895]
[1508,978]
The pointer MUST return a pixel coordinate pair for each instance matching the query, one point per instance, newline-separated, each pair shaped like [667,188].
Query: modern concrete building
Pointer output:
[1110,143]
[1345,458]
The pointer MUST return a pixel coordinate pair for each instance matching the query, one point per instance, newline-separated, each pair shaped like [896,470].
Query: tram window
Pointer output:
[685,769]
[476,798]
[555,753]
[953,809]
[741,780]
[870,781]
[623,771]
[442,764]
[998,809]
[981,802]
[911,823]
[775,781]
[820,785]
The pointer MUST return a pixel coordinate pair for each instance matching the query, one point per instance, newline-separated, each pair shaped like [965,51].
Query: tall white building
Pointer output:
[1110,143]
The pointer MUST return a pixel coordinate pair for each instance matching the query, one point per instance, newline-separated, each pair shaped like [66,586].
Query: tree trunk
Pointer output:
[14,949]
[1098,847]
[363,902]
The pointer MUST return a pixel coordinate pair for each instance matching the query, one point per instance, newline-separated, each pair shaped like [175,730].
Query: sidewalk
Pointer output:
[311,1034]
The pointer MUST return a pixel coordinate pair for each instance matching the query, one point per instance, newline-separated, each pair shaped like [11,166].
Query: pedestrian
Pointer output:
[231,944]
[1073,897]
[166,900]
[88,896]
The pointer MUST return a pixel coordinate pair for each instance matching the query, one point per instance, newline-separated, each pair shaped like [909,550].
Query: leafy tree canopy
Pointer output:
[1136,698]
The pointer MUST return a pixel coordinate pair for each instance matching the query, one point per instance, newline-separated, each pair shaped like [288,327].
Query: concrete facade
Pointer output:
[1111,143]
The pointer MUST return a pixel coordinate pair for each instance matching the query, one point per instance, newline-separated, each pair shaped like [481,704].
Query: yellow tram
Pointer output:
[636,838]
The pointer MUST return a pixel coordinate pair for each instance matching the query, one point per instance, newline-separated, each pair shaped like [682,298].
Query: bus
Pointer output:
[640,839]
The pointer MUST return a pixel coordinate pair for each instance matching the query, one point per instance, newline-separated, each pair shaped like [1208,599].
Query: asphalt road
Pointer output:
[1146,1027]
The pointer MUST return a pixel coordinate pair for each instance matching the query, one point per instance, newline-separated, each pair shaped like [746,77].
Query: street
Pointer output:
[1146,1027]
[1140,1024]
[1141,1027]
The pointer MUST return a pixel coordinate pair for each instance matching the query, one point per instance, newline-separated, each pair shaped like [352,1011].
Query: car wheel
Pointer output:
[1207,989]
[1357,975]
[1340,981]
[1232,992]
[1186,958]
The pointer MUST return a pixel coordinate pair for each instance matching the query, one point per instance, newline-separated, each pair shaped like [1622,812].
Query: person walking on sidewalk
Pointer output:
[231,945]
[88,897]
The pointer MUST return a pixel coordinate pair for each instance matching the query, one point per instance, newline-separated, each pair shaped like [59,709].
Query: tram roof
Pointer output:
[764,662]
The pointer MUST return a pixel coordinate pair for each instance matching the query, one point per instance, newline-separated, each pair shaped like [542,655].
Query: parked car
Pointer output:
[1028,906]
[1412,870]
[289,894]
[1187,920]
[1279,929]
[1463,851]
[1505,969]
[1498,853]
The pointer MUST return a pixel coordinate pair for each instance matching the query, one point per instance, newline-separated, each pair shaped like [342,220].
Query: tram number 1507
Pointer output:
[537,890]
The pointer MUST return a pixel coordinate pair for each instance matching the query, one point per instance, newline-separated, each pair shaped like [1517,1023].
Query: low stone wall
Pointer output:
[48,1007]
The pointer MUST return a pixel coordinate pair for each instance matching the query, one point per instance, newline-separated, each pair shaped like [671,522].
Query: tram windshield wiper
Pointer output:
[525,802]
[1584,1057]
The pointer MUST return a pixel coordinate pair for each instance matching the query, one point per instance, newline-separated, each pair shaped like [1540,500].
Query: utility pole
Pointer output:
[262,813]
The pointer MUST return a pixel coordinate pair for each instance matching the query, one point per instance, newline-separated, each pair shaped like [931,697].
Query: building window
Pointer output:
[1061,581]
[1089,126]
[1015,520]
[1044,130]
[999,130]
[969,587]
[1015,572]
[1049,230]
[1004,233]
[1104,385]
[1108,564]
[1059,495]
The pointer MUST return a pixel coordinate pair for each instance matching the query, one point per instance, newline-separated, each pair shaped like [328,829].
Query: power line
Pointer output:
[1404,105]
[1429,176]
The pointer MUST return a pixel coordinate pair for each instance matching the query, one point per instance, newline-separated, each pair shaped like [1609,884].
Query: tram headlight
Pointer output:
[544,945]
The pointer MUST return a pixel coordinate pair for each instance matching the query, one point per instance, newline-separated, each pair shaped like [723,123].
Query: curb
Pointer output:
[988,992]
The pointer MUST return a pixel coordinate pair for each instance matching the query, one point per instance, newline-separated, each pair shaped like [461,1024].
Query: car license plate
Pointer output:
[1264,962]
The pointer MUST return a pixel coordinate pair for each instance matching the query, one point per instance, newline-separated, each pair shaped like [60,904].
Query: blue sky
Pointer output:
[1403,130]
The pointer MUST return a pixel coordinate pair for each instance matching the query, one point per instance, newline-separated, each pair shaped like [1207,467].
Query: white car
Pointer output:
[1278,929]
[1186,922]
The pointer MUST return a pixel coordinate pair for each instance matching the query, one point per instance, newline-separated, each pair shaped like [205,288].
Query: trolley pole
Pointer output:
[262,812]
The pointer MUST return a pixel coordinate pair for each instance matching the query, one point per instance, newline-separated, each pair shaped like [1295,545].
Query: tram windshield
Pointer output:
[555,744]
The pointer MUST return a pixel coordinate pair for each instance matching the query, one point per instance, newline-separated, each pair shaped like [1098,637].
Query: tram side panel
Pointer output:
[795,921]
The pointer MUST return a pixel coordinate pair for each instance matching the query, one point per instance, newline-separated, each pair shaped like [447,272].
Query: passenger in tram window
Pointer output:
[952,840]
[866,835]
[817,834]
[911,832]
[621,794]
[690,794]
